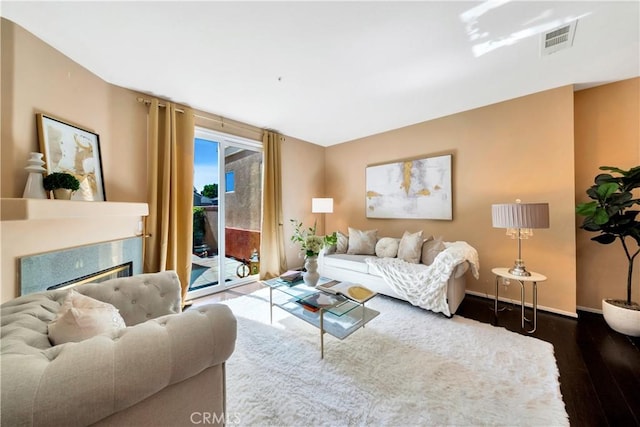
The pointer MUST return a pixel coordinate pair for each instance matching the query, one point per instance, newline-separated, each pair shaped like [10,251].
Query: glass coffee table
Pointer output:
[335,315]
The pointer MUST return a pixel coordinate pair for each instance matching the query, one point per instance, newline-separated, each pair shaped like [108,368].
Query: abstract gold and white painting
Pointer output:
[410,189]
[71,149]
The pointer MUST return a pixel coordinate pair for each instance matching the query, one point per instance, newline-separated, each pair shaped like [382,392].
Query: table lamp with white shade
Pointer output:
[520,219]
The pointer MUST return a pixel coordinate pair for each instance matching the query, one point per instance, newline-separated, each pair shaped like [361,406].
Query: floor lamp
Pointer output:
[519,219]
[322,205]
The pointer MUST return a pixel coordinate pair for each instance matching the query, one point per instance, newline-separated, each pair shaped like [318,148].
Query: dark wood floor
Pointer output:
[599,368]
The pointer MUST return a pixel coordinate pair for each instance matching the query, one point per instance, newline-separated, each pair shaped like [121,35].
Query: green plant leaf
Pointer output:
[605,239]
[604,178]
[607,189]
[592,192]
[60,180]
[587,208]
[600,216]
[590,226]
[613,169]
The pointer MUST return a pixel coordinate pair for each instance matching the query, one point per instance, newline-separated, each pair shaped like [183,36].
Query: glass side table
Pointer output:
[533,279]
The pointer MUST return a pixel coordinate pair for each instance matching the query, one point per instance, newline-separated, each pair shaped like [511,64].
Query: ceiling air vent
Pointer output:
[558,38]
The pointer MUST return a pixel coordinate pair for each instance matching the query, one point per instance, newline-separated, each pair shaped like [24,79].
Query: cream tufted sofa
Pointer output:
[166,368]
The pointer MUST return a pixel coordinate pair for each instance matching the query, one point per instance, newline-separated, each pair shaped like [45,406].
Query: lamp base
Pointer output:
[519,269]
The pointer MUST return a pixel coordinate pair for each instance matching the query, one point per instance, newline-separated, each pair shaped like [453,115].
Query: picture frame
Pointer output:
[74,150]
[410,189]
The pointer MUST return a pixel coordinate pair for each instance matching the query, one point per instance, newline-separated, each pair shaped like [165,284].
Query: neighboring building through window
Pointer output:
[229,182]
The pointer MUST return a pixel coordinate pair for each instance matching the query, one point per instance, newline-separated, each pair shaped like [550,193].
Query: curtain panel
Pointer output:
[170,191]
[272,251]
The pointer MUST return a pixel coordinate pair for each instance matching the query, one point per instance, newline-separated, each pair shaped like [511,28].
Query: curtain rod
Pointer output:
[217,120]
[148,102]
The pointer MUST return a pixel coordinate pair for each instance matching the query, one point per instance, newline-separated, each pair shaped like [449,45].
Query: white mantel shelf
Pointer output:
[33,209]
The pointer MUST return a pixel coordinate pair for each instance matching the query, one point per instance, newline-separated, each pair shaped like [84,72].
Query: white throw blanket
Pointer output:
[426,286]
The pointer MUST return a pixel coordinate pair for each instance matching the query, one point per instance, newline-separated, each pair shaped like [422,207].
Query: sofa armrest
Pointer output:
[83,382]
[460,270]
[140,297]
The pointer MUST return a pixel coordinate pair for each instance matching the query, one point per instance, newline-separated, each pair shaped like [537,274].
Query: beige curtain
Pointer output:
[170,191]
[272,255]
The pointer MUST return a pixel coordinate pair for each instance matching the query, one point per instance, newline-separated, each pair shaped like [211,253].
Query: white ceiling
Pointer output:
[330,72]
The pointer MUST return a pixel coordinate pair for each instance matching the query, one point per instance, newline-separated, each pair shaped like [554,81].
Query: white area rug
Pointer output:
[406,367]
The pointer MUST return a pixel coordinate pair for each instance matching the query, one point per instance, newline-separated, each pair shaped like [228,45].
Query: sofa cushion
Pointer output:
[387,247]
[431,249]
[410,247]
[348,262]
[81,317]
[362,242]
[342,243]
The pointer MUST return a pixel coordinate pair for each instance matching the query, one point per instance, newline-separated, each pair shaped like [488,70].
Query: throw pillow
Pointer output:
[410,247]
[431,249]
[387,247]
[362,242]
[81,317]
[328,250]
[342,244]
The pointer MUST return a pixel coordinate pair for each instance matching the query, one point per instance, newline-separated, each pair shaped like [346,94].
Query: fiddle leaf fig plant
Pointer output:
[610,213]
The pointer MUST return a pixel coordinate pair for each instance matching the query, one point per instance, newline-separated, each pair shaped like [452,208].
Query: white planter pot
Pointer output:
[621,319]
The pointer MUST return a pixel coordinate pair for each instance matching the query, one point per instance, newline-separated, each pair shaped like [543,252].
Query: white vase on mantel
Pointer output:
[34,188]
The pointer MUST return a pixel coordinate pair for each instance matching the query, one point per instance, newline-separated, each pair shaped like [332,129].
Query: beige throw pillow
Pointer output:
[431,249]
[362,242]
[81,317]
[410,247]
[342,244]
[387,247]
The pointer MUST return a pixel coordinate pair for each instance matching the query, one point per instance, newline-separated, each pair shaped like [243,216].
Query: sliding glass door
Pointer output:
[227,209]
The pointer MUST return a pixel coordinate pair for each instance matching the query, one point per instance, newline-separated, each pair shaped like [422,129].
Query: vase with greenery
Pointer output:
[62,184]
[311,244]
[611,214]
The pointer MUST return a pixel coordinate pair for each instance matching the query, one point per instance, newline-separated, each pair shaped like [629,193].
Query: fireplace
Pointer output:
[65,268]
[123,270]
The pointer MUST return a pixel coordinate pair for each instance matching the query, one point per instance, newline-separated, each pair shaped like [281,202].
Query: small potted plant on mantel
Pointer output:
[610,213]
[62,184]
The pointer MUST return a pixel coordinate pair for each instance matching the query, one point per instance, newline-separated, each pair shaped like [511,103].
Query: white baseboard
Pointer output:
[589,309]
[526,304]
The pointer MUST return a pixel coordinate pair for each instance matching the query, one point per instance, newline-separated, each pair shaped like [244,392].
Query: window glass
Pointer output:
[230,184]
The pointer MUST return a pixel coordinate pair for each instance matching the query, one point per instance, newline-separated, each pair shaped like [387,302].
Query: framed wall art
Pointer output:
[68,148]
[410,189]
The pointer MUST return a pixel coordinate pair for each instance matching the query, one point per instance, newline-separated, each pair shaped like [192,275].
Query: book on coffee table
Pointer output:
[350,290]
[322,300]
[291,276]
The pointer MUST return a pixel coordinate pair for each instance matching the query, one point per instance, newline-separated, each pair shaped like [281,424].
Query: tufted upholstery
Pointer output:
[133,378]
[139,298]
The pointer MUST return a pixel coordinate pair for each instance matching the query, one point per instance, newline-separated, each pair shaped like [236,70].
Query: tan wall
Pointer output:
[521,148]
[302,179]
[607,132]
[38,79]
